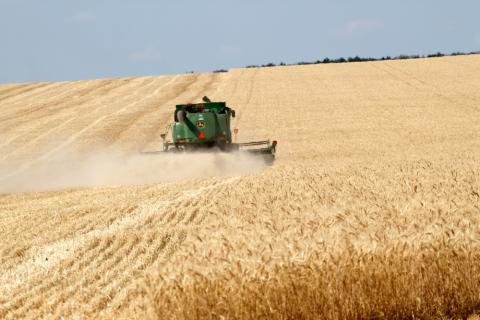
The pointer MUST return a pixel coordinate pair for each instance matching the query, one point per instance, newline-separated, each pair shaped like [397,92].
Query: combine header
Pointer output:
[206,125]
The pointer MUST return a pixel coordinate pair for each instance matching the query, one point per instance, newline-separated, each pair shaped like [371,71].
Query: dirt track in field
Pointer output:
[376,188]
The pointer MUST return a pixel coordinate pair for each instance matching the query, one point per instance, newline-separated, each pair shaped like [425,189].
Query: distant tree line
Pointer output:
[359,59]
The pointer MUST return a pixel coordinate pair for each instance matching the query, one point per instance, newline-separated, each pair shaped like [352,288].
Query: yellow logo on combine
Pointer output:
[201,124]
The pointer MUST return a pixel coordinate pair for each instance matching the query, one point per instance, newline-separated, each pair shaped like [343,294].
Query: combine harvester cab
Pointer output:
[203,126]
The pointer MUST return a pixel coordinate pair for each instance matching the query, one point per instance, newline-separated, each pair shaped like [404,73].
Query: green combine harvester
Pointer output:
[206,126]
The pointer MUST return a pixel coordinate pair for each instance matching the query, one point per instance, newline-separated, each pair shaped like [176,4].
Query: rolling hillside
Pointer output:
[372,208]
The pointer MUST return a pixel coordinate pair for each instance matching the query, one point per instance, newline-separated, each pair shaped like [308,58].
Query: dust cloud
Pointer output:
[116,168]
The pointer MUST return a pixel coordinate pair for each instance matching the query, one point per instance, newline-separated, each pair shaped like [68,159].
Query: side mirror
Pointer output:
[233,113]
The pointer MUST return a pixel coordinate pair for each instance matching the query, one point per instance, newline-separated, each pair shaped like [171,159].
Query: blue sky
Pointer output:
[67,40]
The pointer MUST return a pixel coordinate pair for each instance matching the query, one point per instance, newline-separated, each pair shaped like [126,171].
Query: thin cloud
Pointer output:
[361,26]
[82,17]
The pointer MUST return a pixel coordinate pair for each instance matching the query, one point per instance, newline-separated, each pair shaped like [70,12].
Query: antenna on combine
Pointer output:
[206,99]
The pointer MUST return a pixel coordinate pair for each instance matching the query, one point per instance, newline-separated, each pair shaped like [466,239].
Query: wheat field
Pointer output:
[371,210]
